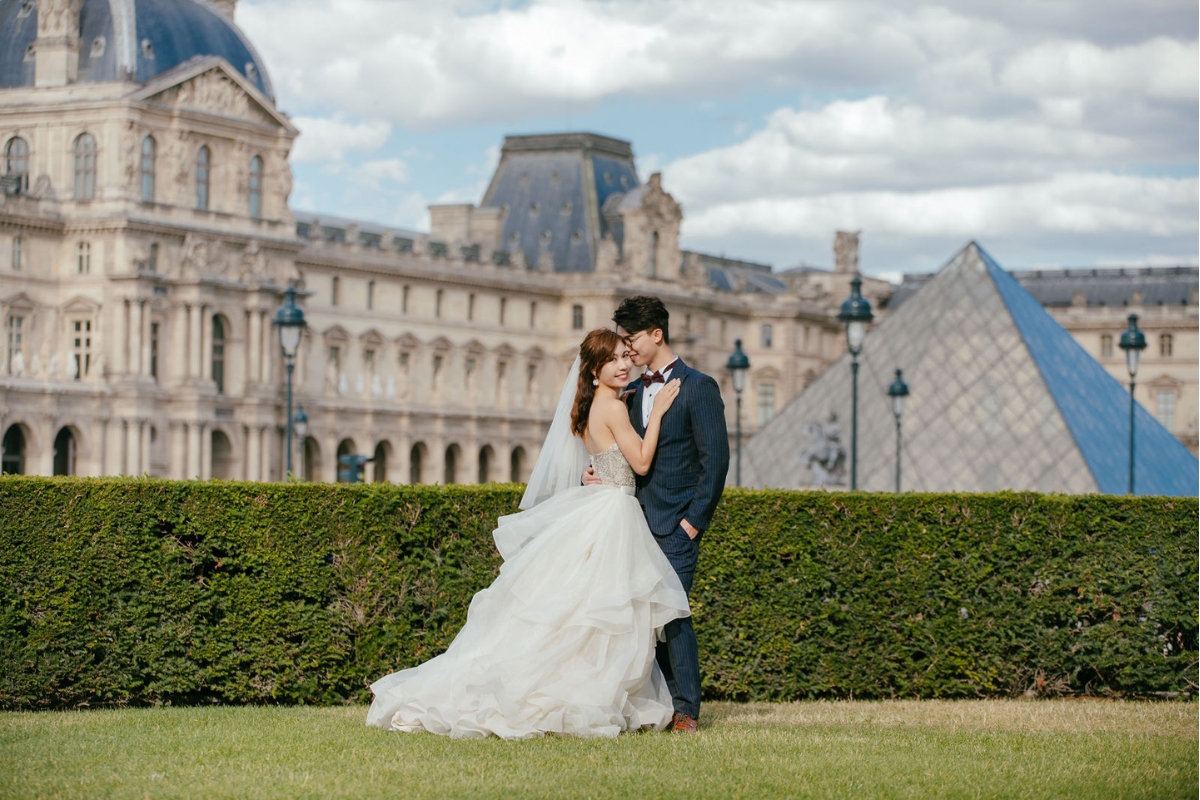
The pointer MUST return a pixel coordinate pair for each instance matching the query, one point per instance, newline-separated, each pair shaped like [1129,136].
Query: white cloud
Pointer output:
[379,172]
[329,139]
[1161,68]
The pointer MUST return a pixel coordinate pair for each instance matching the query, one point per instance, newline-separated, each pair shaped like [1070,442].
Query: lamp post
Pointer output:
[856,313]
[300,422]
[738,365]
[898,391]
[1133,342]
[290,321]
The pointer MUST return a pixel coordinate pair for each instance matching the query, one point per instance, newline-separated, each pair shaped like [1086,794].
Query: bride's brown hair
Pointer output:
[595,351]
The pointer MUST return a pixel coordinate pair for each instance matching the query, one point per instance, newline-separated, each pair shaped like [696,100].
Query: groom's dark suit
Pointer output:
[685,481]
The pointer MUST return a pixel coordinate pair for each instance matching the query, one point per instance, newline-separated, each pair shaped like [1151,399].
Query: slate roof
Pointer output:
[141,39]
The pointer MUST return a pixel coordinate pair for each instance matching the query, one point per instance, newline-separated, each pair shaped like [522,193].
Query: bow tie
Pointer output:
[653,377]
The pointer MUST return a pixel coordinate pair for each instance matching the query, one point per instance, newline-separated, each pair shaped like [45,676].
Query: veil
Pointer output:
[564,457]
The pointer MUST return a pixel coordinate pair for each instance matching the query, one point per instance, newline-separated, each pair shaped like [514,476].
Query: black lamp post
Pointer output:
[300,422]
[856,313]
[898,391]
[738,365]
[290,321]
[1133,342]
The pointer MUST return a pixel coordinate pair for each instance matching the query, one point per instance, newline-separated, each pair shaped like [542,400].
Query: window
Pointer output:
[1166,345]
[203,174]
[370,295]
[470,308]
[335,359]
[369,360]
[149,149]
[1106,346]
[533,314]
[1165,408]
[85,167]
[503,309]
[766,403]
[437,370]
[81,350]
[256,184]
[154,350]
[766,335]
[530,377]
[404,301]
[218,353]
[437,311]
[16,162]
[577,318]
[15,358]
[470,369]
[17,253]
[83,261]
[334,286]
[654,255]
[152,261]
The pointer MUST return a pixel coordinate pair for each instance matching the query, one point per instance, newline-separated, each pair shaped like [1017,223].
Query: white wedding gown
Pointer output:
[563,641]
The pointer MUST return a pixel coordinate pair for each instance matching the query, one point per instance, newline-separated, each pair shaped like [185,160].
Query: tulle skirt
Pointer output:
[562,642]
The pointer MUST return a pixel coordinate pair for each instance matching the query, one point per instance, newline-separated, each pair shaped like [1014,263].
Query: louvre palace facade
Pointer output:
[146,240]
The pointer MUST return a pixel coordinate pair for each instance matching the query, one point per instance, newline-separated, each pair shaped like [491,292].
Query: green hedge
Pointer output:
[116,591]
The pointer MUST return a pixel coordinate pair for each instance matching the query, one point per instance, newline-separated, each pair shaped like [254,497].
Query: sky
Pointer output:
[1053,133]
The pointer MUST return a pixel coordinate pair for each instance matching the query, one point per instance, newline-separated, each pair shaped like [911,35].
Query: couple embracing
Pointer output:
[587,630]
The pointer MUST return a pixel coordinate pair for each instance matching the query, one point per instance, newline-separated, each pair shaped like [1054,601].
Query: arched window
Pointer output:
[516,465]
[218,352]
[452,454]
[416,462]
[16,162]
[379,463]
[12,451]
[486,455]
[256,185]
[149,151]
[64,453]
[203,174]
[345,448]
[223,459]
[85,167]
[312,459]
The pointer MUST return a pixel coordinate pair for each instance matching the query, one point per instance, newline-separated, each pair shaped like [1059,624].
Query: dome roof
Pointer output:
[131,39]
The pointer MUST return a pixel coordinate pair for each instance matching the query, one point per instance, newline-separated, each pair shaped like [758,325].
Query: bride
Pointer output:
[563,641]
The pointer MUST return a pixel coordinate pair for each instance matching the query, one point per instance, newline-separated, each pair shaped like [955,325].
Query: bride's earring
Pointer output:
[595,381]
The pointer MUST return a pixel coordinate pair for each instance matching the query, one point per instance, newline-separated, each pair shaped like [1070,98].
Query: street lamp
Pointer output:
[290,321]
[856,313]
[738,365]
[898,391]
[1133,342]
[300,422]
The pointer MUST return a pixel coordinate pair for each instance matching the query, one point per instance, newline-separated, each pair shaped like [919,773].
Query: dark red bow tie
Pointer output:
[653,377]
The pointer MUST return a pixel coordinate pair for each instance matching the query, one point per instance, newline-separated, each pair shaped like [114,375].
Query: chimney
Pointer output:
[845,252]
[56,49]
[226,7]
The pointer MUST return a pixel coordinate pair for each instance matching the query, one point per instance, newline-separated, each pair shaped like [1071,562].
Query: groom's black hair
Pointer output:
[643,313]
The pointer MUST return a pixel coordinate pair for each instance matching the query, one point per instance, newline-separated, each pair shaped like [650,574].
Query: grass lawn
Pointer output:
[846,749]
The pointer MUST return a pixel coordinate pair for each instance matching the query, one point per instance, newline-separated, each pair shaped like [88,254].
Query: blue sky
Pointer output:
[1055,133]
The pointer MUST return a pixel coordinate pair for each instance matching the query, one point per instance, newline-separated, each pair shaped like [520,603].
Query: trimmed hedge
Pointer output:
[118,591]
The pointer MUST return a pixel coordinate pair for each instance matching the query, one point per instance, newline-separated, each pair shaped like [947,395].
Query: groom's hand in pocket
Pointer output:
[689,529]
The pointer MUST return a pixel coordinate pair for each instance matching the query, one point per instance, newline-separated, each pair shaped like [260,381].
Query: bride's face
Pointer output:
[615,372]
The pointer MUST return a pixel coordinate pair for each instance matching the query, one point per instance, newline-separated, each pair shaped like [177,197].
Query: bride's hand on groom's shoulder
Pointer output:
[666,396]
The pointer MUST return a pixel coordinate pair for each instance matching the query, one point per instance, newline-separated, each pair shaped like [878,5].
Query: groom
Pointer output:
[685,481]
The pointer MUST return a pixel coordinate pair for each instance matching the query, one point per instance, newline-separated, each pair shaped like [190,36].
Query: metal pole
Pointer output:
[897,453]
[290,366]
[854,425]
[1132,386]
[739,439]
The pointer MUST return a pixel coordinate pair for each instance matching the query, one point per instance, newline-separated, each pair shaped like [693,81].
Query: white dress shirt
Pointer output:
[650,391]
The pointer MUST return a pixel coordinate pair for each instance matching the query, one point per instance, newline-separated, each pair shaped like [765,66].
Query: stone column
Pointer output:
[193,345]
[129,462]
[178,459]
[205,343]
[123,345]
[254,369]
[194,434]
[146,313]
[270,346]
[254,454]
[205,452]
[144,433]
[135,336]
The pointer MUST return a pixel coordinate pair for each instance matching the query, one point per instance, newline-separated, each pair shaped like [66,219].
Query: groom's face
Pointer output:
[643,345]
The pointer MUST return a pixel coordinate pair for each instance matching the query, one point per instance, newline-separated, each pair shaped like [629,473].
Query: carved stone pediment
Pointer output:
[215,92]
[203,256]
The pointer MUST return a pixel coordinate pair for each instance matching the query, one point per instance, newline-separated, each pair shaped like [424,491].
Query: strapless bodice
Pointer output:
[612,468]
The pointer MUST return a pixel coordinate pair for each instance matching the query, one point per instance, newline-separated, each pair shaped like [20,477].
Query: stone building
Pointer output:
[146,238]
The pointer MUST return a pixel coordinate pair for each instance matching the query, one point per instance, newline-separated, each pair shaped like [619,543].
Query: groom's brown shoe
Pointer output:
[682,723]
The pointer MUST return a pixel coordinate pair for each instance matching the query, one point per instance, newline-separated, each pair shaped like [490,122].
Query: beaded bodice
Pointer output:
[613,469]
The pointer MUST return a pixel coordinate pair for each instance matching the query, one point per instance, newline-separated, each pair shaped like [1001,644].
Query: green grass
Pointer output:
[916,749]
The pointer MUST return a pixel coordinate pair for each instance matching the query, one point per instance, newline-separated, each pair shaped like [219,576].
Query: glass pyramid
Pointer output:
[1002,397]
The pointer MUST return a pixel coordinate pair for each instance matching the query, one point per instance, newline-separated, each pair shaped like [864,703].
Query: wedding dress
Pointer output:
[563,641]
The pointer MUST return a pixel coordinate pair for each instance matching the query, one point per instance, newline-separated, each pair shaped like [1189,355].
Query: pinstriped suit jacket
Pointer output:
[687,475]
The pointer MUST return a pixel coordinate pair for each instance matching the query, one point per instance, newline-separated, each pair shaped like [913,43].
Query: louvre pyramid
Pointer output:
[1002,397]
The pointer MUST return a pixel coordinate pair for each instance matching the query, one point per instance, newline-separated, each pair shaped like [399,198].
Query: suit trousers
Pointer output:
[679,656]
